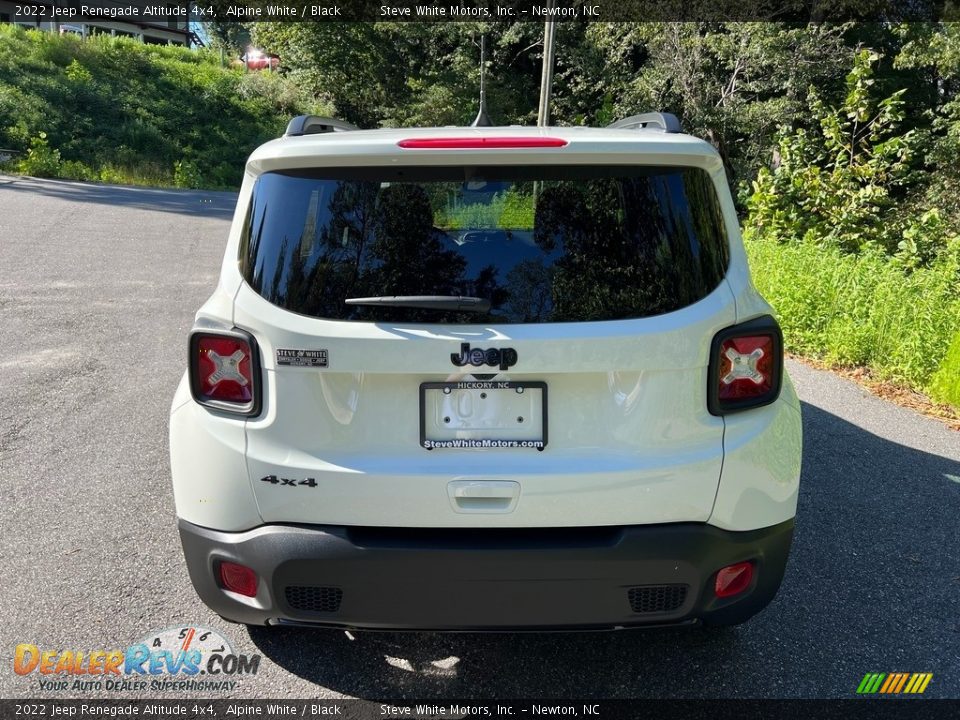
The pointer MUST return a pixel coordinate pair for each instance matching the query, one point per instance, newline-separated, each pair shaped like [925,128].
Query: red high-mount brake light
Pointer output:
[224,371]
[733,579]
[474,143]
[746,366]
[238,578]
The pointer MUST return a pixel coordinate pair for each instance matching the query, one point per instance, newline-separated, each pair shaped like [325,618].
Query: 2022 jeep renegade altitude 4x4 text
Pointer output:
[485,378]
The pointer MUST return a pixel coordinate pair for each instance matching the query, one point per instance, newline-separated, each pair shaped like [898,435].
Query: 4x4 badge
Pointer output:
[504,357]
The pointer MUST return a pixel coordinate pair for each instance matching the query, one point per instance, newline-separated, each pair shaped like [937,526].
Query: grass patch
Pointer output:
[945,385]
[865,310]
[116,110]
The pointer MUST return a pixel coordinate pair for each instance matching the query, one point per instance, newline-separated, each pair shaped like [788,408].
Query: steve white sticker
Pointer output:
[302,358]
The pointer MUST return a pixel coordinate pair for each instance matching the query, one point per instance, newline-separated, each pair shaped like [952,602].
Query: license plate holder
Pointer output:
[483,414]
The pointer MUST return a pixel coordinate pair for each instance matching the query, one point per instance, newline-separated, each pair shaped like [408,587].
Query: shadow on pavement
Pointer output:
[202,203]
[873,585]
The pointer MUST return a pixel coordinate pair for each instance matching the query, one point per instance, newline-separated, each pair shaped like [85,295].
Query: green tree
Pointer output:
[406,74]
[732,83]
[933,49]
[840,183]
[347,66]
[227,35]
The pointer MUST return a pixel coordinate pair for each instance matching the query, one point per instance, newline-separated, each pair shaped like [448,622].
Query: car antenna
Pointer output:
[482,119]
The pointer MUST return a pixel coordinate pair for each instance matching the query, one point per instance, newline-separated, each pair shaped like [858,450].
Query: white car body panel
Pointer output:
[210,475]
[761,468]
[616,389]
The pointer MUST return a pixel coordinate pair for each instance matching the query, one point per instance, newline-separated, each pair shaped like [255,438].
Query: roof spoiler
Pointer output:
[315,125]
[667,122]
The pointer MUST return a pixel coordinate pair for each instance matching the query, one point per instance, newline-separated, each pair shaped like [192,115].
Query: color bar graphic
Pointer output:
[894,683]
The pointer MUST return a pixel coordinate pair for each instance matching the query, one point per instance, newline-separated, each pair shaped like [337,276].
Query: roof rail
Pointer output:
[665,121]
[315,124]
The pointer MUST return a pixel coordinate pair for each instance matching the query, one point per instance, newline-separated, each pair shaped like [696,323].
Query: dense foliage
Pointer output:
[850,238]
[842,141]
[115,110]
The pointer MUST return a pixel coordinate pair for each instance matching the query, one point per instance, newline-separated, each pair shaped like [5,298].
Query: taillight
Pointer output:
[733,579]
[225,371]
[746,366]
[238,578]
[480,143]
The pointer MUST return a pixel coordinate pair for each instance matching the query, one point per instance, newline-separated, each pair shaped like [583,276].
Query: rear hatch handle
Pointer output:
[483,496]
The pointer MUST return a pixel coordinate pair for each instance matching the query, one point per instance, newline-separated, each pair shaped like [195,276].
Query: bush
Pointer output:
[41,159]
[78,73]
[186,174]
[839,185]
[73,170]
[112,176]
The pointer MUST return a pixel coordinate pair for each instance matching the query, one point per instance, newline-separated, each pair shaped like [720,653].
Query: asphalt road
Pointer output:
[98,286]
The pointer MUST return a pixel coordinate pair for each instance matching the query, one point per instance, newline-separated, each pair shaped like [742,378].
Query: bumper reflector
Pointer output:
[733,579]
[238,578]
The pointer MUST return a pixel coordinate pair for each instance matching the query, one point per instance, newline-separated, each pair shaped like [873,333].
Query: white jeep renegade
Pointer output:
[485,378]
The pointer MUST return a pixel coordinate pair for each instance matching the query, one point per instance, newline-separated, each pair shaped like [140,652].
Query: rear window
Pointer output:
[541,244]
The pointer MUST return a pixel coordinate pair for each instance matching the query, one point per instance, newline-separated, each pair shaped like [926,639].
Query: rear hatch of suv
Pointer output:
[494,343]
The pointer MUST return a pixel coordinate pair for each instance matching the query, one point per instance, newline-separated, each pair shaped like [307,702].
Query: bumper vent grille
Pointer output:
[314,599]
[657,598]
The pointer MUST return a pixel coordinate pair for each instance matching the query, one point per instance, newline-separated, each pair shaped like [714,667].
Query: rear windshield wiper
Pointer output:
[434,302]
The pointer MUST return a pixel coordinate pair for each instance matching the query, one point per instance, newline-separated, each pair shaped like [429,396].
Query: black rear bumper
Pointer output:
[487,579]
